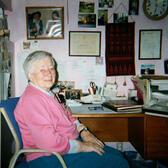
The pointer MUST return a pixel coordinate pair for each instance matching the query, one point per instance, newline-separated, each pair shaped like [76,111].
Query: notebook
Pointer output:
[128,106]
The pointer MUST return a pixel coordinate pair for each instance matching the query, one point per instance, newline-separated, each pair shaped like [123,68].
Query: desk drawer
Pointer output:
[156,137]
[108,129]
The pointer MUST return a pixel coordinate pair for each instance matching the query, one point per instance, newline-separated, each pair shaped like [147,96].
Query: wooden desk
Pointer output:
[148,134]
[106,124]
[108,127]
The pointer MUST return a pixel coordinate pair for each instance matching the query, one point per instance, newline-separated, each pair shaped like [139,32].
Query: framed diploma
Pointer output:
[150,44]
[85,43]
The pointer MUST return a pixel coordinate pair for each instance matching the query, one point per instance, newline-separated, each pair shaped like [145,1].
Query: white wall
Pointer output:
[80,69]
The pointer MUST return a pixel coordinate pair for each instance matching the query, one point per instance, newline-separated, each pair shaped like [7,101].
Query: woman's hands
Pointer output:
[90,143]
[87,136]
[90,147]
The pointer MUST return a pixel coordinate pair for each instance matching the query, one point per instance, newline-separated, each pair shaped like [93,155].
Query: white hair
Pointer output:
[33,57]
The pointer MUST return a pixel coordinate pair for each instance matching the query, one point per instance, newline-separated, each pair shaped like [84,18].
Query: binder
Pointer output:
[128,106]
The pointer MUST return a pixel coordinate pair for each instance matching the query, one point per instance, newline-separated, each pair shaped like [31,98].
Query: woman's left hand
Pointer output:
[87,136]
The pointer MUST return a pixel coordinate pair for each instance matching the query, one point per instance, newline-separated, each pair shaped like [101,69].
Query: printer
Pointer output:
[156,96]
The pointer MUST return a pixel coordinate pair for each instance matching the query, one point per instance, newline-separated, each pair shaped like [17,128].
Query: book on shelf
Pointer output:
[128,106]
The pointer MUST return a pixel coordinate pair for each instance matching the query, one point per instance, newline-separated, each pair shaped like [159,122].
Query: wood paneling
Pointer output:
[148,134]
[156,137]
[108,129]
[136,133]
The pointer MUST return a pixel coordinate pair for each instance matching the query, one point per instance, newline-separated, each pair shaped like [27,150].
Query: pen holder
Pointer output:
[92,90]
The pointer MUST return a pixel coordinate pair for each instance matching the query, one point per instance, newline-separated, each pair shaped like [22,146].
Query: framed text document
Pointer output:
[85,43]
[150,43]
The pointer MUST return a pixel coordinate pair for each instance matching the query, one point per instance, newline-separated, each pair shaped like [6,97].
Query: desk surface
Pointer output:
[96,110]
[148,134]
[157,110]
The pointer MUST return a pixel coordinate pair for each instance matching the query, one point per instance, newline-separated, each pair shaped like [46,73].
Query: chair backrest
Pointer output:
[7,110]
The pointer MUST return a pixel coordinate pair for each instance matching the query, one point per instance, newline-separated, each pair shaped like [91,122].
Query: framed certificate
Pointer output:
[150,43]
[85,43]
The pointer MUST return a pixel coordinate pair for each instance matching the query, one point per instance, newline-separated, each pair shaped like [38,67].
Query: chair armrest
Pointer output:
[15,157]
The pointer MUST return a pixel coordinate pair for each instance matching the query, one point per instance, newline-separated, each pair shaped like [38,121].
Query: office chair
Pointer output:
[7,110]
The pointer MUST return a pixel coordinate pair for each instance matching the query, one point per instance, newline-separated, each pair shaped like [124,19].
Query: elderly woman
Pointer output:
[46,124]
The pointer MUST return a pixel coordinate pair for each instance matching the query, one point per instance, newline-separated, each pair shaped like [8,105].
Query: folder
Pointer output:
[123,106]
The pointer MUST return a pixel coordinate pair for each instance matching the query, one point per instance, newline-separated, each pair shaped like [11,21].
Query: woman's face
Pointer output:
[43,73]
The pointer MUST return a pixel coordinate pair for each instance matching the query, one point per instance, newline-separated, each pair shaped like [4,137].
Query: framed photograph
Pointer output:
[87,20]
[150,44]
[45,22]
[73,94]
[133,7]
[166,66]
[86,7]
[85,43]
[102,17]
[65,85]
[106,4]
[120,17]
[147,69]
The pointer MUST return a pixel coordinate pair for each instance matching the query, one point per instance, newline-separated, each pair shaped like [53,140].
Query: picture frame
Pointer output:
[120,17]
[65,85]
[147,69]
[102,17]
[150,44]
[133,7]
[85,43]
[166,66]
[105,4]
[50,21]
[73,94]
[87,20]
